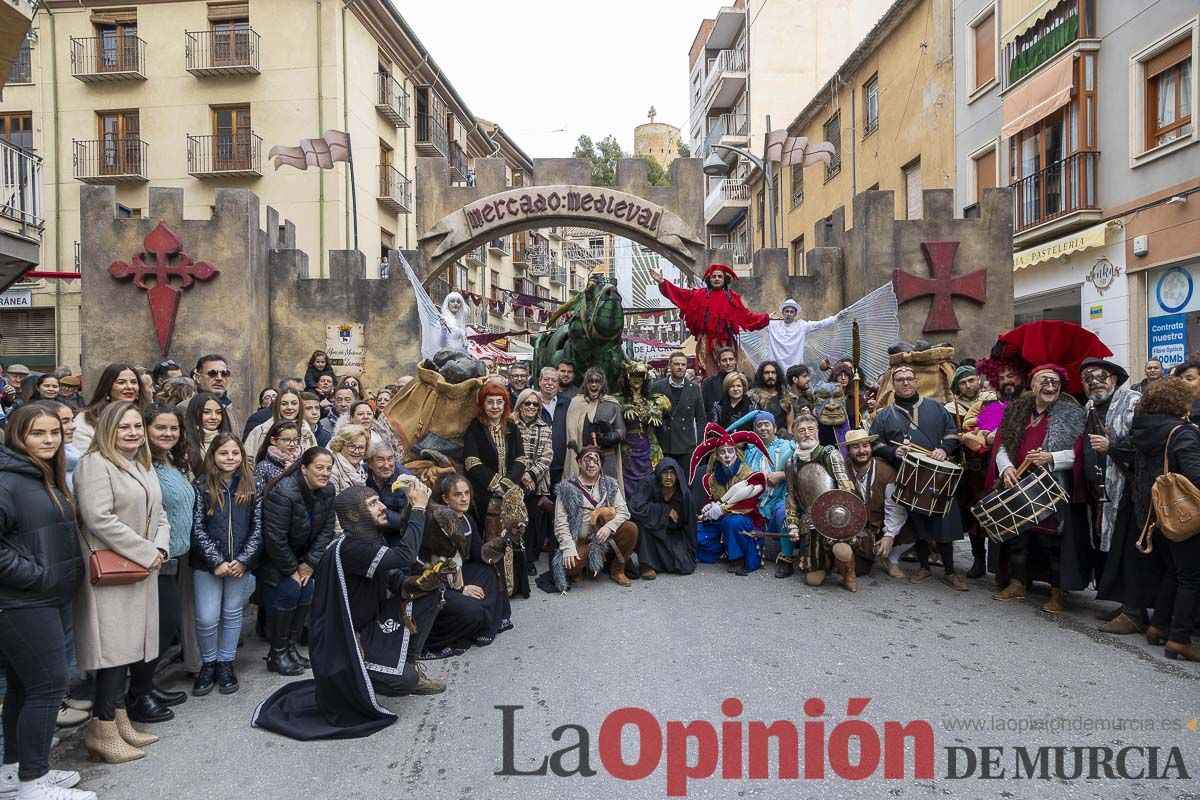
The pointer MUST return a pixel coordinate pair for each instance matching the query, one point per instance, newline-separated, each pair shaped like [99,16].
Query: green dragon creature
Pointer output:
[590,336]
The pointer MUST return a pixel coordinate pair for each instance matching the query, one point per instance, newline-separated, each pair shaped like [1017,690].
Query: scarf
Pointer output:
[279,457]
[346,473]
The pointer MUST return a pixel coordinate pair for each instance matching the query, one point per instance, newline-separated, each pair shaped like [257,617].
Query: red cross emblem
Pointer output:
[941,285]
[163,297]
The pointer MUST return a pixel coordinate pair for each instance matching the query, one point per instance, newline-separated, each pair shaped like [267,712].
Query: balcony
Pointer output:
[431,137]
[731,252]
[1061,196]
[221,52]
[501,246]
[1054,32]
[725,79]
[114,159]
[229,155]
[392,101]
[395,190]
[559,273]
[98,59]
[22,68]
[478,256]
[727,126]
[438,290]
[20,191]
[725,199]
[726,28]
[458,163]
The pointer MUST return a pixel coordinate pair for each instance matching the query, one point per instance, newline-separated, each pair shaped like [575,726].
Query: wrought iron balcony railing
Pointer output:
[431,136]
[111,57]
[222,52]
[21,188]
[392,101]
[225,155]
[113,159]
[395,190]
[1061,188]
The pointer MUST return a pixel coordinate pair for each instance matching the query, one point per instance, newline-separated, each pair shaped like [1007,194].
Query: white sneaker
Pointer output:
[9,783]
[66,778]
[43,789]
[70,717]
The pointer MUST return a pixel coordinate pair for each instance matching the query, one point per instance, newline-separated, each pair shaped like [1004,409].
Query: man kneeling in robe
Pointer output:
[591,522]
[369,619]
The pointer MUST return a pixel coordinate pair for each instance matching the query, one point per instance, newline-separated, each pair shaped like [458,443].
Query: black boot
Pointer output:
[168,698]
[145,709]
[227,682]
[978,557]
[279,659]
[205,679]
[298,623]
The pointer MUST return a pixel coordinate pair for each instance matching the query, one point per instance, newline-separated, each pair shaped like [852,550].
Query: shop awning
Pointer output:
[1041,96]
[1018,16]
[1083,240]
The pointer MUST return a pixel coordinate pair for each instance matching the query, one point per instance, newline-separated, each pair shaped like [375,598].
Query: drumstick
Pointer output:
[914,447]
[1026,464]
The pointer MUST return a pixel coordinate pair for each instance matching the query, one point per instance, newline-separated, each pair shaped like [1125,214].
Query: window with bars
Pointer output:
[870,106]
[797,184]
[833,135]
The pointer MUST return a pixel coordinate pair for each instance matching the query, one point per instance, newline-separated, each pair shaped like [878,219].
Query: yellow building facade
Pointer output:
[888,111]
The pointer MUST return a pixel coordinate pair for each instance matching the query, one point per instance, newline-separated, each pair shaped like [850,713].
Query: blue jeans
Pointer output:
[219,604]
[287,595]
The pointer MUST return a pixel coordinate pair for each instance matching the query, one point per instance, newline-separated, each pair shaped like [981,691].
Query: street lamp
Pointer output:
[715,167]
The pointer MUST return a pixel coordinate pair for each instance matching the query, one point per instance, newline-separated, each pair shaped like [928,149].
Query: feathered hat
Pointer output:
[716,437]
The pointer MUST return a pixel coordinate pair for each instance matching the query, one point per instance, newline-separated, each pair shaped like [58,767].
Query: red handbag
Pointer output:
[110,568]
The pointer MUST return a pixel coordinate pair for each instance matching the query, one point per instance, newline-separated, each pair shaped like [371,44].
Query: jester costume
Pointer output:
[713,316]
[735,489]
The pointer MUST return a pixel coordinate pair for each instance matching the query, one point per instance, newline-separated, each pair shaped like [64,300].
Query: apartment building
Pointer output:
[757,59]
[21,213]
[884,111]
[193,94]
[1086,110]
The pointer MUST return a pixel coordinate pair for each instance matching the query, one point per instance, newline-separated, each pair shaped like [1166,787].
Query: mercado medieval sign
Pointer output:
[536,201]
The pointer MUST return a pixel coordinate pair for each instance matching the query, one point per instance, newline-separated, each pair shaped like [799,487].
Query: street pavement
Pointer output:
[677,647]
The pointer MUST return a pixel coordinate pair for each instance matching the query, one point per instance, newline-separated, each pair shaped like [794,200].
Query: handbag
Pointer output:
[1174,504]
[110,568]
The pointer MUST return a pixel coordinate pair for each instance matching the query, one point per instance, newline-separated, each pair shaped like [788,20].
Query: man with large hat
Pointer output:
[714,315]
[824,517]
[1042,428]
[1125,575]
[914,421]
[875,483]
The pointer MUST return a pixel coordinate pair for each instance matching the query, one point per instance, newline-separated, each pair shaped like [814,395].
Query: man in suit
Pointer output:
[713,388]
[554,413]
[680,434]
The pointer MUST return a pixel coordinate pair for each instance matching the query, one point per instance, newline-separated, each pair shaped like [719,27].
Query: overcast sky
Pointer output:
[550,70]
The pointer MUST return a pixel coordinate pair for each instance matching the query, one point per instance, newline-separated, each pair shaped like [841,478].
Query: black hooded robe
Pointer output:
[663,545]
[338,702]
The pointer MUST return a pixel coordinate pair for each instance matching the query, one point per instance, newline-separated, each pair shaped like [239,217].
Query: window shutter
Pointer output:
[985,51]
[1180,51]
[27,335]
[912,186]
[115,16]
[985,174]
[228,11]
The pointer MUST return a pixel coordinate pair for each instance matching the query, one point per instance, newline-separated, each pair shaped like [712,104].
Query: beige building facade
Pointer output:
[193,94]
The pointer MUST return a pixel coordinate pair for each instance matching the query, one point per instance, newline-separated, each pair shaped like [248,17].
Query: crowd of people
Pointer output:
[153,515]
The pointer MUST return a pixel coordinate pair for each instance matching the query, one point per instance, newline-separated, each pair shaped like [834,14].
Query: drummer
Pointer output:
[814,554]
[914,424]
[1041,428]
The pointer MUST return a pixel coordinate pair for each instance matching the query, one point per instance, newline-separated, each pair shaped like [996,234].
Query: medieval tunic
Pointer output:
[927,424]
[713,316]
[1060,543]
[602,420]
[665,545]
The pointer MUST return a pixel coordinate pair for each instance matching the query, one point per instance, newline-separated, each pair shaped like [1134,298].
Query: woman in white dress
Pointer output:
[453,332]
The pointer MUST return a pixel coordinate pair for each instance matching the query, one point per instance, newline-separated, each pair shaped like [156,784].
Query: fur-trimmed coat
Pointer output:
[1066,426]
[1117,419]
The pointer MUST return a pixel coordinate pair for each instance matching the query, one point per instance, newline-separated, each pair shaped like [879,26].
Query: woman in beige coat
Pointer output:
[116,627]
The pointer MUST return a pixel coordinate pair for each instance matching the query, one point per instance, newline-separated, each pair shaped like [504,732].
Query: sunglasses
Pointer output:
[531,403]
[168,364]
[218,373]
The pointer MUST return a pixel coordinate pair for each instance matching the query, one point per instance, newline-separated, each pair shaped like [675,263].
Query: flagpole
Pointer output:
[769,178]
[353,189]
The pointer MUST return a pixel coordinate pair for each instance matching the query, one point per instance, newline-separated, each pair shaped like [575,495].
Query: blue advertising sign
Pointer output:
[1168,338]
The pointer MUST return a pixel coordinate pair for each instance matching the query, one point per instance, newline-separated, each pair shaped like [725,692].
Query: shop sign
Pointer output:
[346,345]
[1103,274]
[1096,312]
[1168,338]
[16,298]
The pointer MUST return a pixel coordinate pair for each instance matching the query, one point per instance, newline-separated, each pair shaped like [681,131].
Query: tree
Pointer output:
[603,157]
[655,172]
[684,150]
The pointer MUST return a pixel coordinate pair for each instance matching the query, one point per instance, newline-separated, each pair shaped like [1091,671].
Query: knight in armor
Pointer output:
[914,420]
[813,470]
[732,490]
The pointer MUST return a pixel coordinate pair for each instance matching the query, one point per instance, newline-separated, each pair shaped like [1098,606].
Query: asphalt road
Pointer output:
[677,647]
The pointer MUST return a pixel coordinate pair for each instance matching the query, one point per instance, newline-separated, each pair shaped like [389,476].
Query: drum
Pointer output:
[926,485]
[1007,513]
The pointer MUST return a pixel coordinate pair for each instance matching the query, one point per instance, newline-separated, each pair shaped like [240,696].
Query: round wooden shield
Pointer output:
[838,514]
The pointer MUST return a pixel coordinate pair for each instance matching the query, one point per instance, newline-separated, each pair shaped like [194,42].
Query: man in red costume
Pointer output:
[715,315]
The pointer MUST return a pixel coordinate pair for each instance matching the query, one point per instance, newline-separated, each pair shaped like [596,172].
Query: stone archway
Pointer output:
[667,219]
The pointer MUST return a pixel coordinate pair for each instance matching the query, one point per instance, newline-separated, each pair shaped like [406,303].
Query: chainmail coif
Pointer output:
[351,507]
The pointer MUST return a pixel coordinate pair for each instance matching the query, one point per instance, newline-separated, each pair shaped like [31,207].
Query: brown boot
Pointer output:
[1014,591]
[956,582]
[1123,625]
[647,573]
[617,572]
[1108,615]
[1057,603]
[846,570]
[103,741]
[1187,652]
[1156,636]
[131,734]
